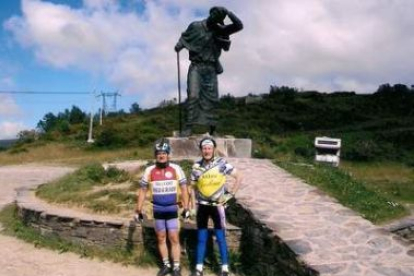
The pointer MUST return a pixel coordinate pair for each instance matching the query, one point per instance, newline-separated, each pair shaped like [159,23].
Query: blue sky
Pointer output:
[127,46]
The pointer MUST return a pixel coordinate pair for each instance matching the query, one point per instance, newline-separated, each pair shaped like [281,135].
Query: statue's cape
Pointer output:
[196,37]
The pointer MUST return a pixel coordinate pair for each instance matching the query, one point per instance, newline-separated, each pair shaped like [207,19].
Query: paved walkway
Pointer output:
[327,236]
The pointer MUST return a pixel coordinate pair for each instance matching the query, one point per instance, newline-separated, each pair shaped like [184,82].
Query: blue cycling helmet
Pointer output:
[162,145]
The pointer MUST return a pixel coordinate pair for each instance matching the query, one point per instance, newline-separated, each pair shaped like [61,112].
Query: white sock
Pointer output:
[166,262]
[225,268]
[199,267]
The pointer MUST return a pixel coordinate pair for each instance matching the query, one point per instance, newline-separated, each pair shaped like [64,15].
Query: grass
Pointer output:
[13,226]
[349,191]
[110,191]
[392,180]
[94,188]
[66,154]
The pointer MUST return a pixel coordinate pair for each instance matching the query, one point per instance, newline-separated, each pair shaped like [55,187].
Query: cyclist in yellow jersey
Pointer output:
[208,179]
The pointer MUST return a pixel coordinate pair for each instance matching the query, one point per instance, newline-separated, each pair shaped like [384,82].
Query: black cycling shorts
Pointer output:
[216,213]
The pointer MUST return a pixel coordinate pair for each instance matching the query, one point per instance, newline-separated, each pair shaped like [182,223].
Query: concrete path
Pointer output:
[327,236]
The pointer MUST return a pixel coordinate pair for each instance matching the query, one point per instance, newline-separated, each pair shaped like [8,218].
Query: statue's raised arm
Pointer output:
[217,16]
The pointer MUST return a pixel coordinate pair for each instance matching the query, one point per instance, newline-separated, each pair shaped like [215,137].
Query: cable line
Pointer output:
[46,92]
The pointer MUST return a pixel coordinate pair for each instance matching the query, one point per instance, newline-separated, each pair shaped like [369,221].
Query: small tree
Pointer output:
[27,136]
[48,122]
[135,109]
[76,115]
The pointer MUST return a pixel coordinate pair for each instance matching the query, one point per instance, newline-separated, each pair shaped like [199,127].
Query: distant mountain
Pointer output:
[7,143]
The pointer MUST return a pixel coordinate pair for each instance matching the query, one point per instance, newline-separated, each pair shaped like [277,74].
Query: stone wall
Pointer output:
[260,250]
[105,233]
[406,232]
[403,228]
[89,232]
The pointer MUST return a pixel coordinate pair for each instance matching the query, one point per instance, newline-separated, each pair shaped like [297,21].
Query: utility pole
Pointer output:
[100,116]
[105,108]
[90,138]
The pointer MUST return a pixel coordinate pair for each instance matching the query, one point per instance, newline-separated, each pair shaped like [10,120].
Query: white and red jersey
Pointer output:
[163,184]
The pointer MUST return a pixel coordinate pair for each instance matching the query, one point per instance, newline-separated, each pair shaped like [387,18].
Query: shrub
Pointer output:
[110,137]
[304,152]
[364,150]
[263,152]
[116,174]
[93,171]
[18,149]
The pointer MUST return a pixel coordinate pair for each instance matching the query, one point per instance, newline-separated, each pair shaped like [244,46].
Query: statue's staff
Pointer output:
[180,127]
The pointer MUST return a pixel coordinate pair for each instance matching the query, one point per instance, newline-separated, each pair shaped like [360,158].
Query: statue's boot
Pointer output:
[212,130]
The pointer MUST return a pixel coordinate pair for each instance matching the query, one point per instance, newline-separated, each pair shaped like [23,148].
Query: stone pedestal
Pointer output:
[227,146]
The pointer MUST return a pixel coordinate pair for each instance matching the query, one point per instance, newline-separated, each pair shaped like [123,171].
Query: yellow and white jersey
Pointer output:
[210,179]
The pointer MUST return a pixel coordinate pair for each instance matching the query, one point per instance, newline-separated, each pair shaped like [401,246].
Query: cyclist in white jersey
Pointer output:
[208,178]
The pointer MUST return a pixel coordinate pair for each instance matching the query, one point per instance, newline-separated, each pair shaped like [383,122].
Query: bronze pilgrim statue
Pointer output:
[205,41]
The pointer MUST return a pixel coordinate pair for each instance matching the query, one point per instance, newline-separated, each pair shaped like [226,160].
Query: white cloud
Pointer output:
[8,106]
[320,41]
[9,129]
[63,37]
[312,44]
[9,113]
[7,71]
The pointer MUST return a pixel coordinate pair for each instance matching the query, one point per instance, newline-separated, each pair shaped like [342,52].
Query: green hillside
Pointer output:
[374,127]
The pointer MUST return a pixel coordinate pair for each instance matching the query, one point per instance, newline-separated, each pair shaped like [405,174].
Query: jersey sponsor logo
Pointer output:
[210,182]
[168,174]
[163,174]
[164,187]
